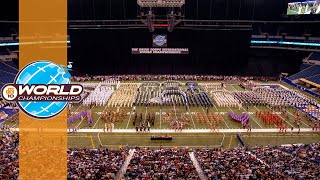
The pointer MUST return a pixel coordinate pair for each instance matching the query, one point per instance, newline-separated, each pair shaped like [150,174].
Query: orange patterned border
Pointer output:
[43,143]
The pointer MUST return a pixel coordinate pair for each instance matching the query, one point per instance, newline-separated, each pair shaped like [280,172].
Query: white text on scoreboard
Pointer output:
[160,51]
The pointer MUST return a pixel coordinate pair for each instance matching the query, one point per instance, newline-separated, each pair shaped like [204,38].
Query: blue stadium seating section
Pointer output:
[8,67]
[304,66]
[315,78]
[11,64]
[315,56]
[4,51]
[6,77]
[8,72]
[13,48]
[306,73]
[1,85]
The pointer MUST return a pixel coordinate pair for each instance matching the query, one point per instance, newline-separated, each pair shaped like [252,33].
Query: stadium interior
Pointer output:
[233,92]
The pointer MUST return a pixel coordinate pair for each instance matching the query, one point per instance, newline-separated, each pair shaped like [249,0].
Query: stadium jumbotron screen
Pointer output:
[303,7]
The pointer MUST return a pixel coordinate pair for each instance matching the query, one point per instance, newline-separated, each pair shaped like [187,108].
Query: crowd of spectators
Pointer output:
[161,164]
[308,152]
[86,163]
[154,77]
[6,104]
[259,162]
[2,103]
[9,155]
[83,163]
[284,162]
[229,163]
[292,164]
[7,111]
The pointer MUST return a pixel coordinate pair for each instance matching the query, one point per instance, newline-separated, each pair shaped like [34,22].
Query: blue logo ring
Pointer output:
[160,40]
[41,72]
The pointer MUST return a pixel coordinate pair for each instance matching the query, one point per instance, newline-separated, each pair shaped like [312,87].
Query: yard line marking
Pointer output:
[78,108]
[77,111]
[222,139]
[99,118]
[98,135]
[145,116]
[230,142]
[69,136]
[92,142]
[191,115]
[203,111]
[81,120]
[129,118]
[160,116]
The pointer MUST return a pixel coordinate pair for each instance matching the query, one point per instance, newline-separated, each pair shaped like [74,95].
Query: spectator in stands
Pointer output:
[161,164]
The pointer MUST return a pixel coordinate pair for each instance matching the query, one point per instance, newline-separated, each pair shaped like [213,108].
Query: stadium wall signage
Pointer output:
[42,89]
[160,51]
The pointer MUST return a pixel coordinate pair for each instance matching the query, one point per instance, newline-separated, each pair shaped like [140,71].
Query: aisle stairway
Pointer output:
[123,169]
[197,166]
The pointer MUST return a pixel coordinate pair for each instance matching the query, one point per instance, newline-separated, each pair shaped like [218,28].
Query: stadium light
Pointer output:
[160,3]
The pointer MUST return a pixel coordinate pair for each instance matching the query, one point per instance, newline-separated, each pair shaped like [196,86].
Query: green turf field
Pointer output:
[179,139]
[227,140]
[191,111]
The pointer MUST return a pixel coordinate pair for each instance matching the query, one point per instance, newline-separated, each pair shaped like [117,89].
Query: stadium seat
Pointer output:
[304,66]
[315,78]
[8,66]
[311,71]
[6,77]
[315,56]
[4,51]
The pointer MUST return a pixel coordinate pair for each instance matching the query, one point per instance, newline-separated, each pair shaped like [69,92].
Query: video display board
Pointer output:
[302,7]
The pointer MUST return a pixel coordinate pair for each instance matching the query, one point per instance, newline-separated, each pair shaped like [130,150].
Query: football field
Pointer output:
[197,133]
[190,112]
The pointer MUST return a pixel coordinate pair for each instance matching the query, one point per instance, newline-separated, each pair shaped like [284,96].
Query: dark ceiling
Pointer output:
[194,9]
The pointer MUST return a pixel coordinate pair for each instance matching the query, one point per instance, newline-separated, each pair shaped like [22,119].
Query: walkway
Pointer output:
[197,166]
[123,169]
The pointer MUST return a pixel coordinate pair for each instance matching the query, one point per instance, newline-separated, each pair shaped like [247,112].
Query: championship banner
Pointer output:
[159,50]
[42,125]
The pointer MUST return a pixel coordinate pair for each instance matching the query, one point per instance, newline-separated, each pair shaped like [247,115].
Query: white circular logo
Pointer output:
[9,93]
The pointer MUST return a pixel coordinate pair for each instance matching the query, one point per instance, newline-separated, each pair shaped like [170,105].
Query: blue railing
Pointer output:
[286,43]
